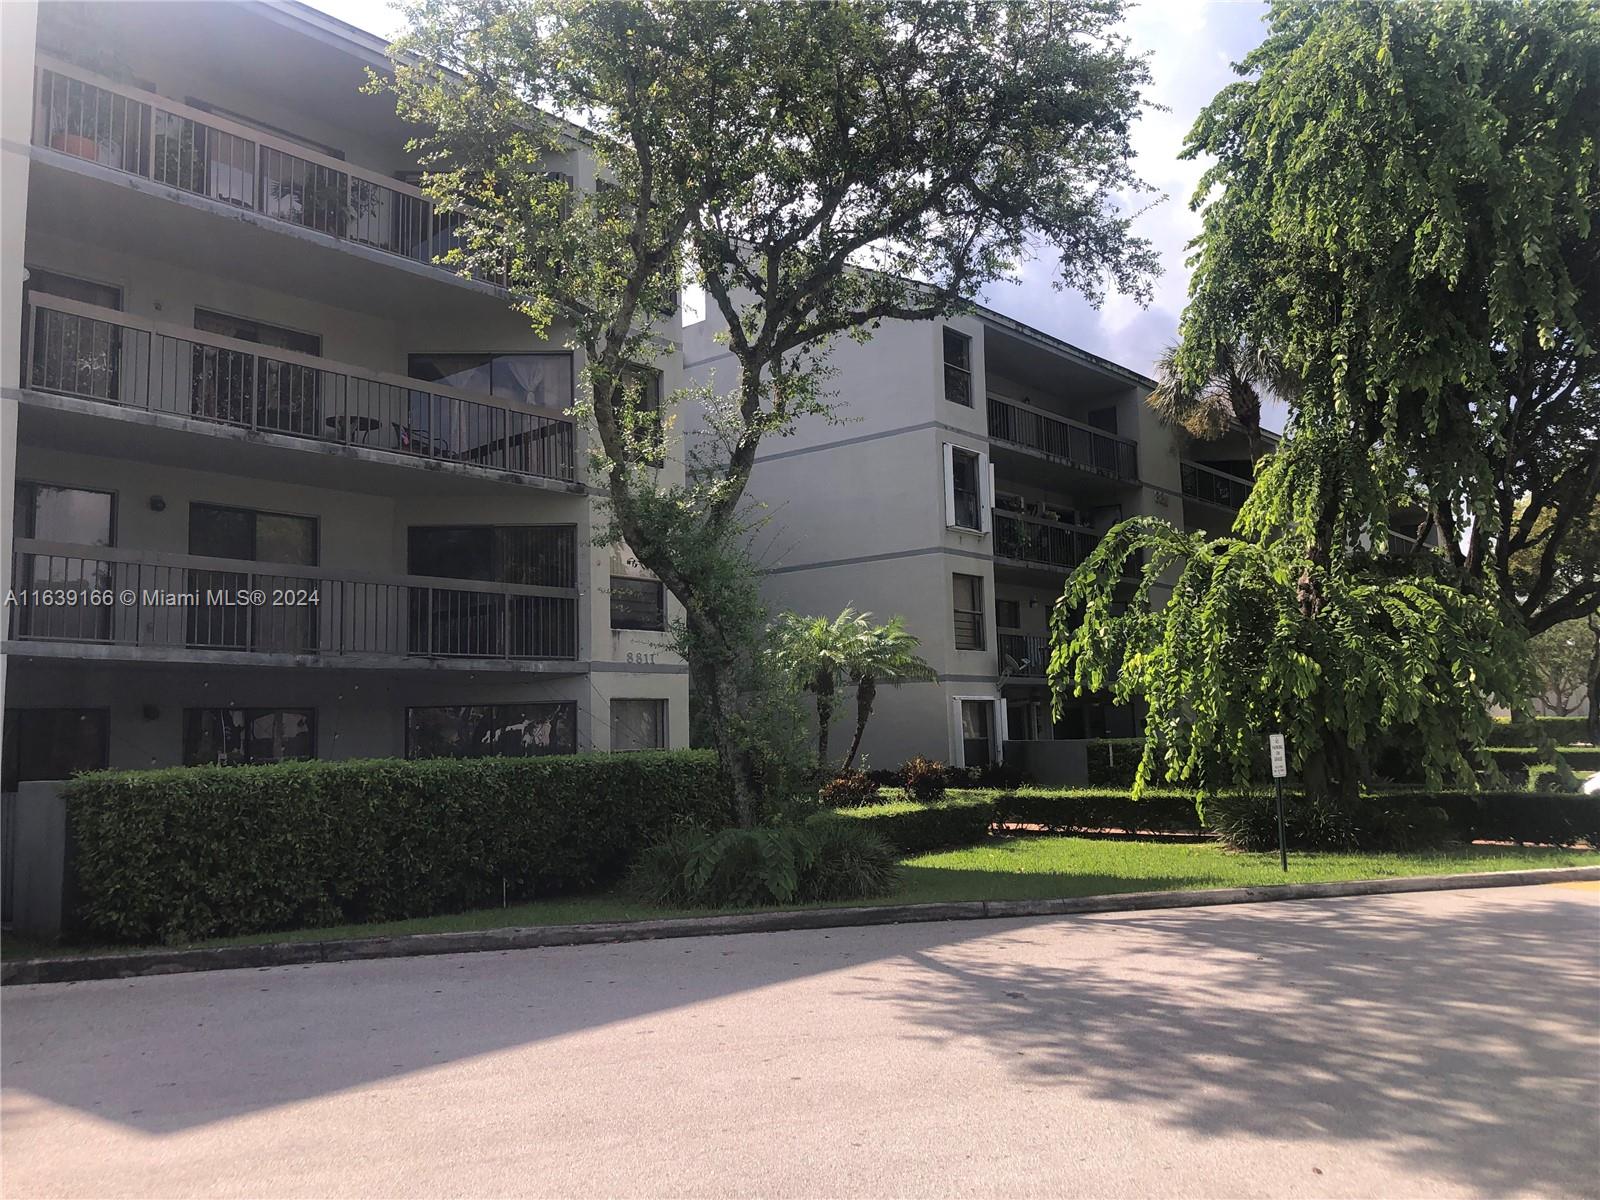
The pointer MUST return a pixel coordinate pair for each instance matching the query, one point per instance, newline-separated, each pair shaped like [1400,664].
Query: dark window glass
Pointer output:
[245,330]
[70,287]
[235,736]
[638,724]
[638,604]
[964,482]
[479,730]
[217,531]
[1008,614]
[53,743]
[65,514]
[537,380]
[538,555]
[969,611]
[976,732]
[957,368]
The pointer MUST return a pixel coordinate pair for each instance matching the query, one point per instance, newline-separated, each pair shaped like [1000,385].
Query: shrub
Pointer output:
[991,775]
[1249,821]
[1579,758]
[1548,818]
[924,780]
[914,828]
[743,868]
[848,788]
[1112,762]
[1074,810]
[1564,731]
[198,852]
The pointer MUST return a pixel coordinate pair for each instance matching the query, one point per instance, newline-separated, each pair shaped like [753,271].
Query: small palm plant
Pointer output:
[814,651]
[886,654]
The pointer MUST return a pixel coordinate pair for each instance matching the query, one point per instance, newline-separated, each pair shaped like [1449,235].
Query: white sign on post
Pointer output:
[1280,759]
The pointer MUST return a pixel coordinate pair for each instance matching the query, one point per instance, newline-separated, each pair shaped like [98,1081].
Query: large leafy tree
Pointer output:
[1400,208]
[818,168]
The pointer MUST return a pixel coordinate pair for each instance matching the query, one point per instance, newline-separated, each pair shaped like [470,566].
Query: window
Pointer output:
[638,604]
[977,733]
[537,380]
[218,531]
[77,355]
[957,367]
[638,724]
[480,730]
[644,386]
[242,389]
[80,517]
[1008,614]
[966,489]
[245,330]
[969,611]
[477,624]
[53,743]
[230,737]
[539,555]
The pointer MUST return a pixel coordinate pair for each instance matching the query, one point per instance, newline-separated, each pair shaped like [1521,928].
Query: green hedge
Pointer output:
[1407,820]
[1510,758]
[1113,761]
[197,852]
[1089,809]
[1564,731]
[913,828]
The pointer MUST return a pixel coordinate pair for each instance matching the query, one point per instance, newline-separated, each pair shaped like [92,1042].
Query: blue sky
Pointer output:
[1191,44]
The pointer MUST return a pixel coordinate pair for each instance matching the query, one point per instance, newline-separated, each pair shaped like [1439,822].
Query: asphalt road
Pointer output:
[1429,1045]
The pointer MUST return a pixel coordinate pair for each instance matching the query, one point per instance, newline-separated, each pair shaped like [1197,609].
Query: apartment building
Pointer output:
[276,484]
[977,463]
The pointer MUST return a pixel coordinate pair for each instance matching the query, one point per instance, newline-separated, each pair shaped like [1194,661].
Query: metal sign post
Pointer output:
[1280,768]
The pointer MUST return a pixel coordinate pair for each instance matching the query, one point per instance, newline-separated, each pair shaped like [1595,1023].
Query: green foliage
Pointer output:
[775,865]
[184,853]
[1091,810]
[1235,655]
[924,779]
[849,788]
[1579,758]
[934,144]
[1399,208]
[1114,761]
[914,827]
[1562,657]
[1564,731]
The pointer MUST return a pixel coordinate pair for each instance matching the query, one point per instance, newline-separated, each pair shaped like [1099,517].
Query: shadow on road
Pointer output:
[1470,1045]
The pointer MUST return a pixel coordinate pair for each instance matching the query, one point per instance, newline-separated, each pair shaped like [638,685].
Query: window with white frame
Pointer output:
[968,489]
[957,367]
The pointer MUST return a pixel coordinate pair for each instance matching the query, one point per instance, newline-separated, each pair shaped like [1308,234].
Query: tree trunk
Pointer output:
[866,693]
[1592,685]
[825,704]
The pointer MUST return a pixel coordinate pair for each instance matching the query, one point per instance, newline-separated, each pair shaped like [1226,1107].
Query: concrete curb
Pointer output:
[280,954]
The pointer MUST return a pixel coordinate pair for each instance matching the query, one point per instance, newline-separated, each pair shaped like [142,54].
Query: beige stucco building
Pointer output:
[975,463]
[276,485]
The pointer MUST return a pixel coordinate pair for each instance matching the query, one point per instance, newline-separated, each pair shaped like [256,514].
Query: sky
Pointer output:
[1192,44]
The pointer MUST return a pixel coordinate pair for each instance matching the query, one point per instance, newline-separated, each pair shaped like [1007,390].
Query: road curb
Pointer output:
[279,954]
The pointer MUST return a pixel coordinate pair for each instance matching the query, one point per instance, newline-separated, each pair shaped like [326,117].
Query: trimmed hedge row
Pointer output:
[1579,758]
[914,828]
[1564,731]
[1407,820]
[196,852]
[1088,809]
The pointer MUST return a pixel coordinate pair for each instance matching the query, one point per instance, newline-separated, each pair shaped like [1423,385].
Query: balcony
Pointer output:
[1214,487]
[1082,446]
[148,606]
[1040,542]
[88,117]
[108,357]
[1024,654]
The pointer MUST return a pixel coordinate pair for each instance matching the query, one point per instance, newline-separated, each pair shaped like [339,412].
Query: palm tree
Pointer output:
[1230,396]
[814,650]
[886,654]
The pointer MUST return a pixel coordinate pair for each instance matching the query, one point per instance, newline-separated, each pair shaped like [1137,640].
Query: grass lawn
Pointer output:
[1017,868]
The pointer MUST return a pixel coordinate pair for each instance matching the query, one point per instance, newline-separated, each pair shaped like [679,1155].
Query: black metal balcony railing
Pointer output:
[100,354]
[1025,654]
[110,596]
[1048,543]
[1214,487]
[95,119]
[1083,446]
